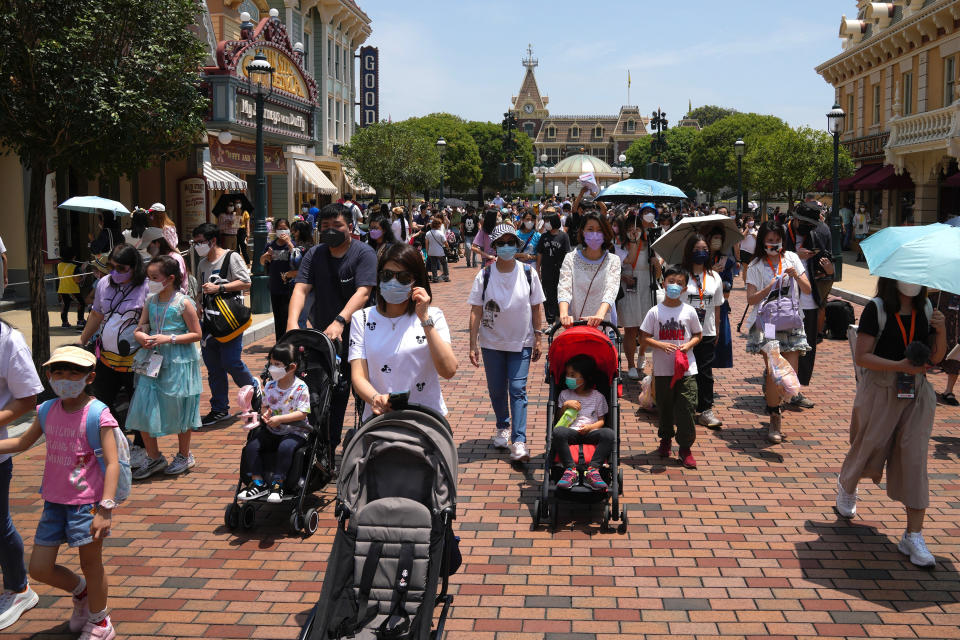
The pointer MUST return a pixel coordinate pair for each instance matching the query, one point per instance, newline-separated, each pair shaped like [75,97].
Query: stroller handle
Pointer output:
[581,323]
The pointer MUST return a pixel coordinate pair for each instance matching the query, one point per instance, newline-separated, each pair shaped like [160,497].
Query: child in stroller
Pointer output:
[286,399]
[584,424]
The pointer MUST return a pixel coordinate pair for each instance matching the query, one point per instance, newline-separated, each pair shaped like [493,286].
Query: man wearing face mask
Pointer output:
[220,272]
[341,273]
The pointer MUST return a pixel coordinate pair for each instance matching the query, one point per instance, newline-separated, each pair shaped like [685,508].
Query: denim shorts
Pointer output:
[68,523]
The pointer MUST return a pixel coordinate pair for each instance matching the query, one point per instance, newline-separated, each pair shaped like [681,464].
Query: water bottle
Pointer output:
[567,418]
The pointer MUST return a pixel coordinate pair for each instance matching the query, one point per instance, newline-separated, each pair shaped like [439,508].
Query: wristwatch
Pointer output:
[108,504]
[427,323]
[341,320]
[173,339]
[222,290]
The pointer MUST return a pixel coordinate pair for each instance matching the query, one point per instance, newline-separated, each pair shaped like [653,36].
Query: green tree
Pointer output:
[710,113]
[461,162]
[680,141]
[99,87]
[489,137]
[392,157]
[713,164]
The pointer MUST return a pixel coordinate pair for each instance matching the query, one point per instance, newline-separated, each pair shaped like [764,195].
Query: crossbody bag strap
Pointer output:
[590,286]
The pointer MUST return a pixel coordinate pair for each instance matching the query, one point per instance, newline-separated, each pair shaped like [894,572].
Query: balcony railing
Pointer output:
[919,129]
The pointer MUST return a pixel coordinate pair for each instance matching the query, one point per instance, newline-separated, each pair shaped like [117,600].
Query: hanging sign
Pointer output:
[369,86]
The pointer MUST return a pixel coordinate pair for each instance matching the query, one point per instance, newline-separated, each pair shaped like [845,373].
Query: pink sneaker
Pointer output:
[93,631]
[81,614]
[569,477]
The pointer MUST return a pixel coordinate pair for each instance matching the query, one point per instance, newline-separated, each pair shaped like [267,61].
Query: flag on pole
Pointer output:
[628,78]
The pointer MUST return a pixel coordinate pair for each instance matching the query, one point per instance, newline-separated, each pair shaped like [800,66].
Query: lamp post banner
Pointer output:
[369,86]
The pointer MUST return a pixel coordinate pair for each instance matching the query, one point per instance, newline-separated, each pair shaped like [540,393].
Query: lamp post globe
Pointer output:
[835,121]
[260,85]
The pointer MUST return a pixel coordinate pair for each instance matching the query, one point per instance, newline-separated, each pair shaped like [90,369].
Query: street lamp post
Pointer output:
[260,84]
[835,120]
[622,167]
[542,170]
[441,149]
[738,149]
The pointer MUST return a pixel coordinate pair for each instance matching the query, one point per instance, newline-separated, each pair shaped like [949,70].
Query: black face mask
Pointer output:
[333,238]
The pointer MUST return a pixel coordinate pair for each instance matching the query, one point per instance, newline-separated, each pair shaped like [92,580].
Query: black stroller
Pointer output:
[583,339]
[312,464]
[394,548]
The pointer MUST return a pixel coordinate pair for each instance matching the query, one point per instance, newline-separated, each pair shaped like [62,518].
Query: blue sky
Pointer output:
[464,56]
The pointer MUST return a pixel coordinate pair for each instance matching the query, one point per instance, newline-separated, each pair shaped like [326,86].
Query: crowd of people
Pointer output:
[364,278]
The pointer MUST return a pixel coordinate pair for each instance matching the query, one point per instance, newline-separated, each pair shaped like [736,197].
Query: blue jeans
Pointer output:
[11,544]
[222,358]
[507,373]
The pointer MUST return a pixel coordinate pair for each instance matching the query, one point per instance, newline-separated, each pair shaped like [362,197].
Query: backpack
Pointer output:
[224,315]
[839,315]
[881,323]
[782,312]
[94,411]
[486,279]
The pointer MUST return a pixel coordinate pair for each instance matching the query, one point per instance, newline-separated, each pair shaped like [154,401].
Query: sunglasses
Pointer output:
[504,243]
[119,268]
[403,277]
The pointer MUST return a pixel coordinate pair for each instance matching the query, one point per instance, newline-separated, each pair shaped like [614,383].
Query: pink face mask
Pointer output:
[376,234]
[593,239]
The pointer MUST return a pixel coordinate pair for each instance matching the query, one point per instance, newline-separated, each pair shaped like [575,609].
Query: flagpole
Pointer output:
[628,86]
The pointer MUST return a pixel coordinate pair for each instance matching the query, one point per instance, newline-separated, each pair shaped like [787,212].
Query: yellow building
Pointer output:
[896,79]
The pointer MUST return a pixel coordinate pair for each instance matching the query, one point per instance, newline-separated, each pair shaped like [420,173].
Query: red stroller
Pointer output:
[583,339]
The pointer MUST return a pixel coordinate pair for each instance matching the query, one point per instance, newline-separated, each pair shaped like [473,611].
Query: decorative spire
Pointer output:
[530,62]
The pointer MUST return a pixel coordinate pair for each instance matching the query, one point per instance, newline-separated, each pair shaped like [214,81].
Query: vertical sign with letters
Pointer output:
[369,86]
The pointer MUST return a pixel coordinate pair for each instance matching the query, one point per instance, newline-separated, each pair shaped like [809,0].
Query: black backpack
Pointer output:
[839,316]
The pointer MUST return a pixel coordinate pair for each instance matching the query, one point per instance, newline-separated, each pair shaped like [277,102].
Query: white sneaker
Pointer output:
[138,456]
[502,439]
[912,545]
[633,374]
[518,452]
[13,605]
[846,502]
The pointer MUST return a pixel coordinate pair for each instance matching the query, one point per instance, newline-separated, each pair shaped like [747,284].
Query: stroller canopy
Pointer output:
[583,340]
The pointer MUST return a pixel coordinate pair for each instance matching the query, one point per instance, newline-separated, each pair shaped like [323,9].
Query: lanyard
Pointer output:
[162,316]
[779,268]
[699,288]
[913,326]
[793,236]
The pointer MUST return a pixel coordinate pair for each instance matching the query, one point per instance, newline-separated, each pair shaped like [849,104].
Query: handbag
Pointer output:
[224,315]
[783,312]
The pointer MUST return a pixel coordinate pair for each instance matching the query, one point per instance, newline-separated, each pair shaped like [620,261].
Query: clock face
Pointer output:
[528,108]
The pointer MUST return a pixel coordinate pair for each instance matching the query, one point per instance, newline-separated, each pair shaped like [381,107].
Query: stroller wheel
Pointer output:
[231,516]
[248,516]
[536,515]
[554,518]
[311,520]
[605,525]
[622,528]
[296,522]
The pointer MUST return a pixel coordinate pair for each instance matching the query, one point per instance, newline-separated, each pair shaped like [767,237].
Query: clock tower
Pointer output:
[528,105]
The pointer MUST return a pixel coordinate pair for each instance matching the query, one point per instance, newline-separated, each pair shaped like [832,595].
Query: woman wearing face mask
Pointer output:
[894,407]
[117,305]
[590,276]
[529,237]
[380,234]
[401,344]
[482,243]
[705,293]
[506,314]
[155,243]
[278,259]
[635,275]
[167,401]
[748,246]
[775,270]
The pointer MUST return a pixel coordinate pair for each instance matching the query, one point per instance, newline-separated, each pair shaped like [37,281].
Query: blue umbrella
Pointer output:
[636,189]
[928,255]
[92,204]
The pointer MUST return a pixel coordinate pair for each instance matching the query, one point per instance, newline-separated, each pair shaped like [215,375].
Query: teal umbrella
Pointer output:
[928,255]
[93,204]
[637,190]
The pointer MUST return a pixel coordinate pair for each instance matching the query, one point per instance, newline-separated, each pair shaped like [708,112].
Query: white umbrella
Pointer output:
[92,204]
[670,245]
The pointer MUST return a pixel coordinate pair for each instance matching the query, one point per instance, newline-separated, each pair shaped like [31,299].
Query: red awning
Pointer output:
[885,178]
[952,181]
[847,183]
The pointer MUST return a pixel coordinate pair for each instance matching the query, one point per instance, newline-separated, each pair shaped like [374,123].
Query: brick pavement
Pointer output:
[746,546]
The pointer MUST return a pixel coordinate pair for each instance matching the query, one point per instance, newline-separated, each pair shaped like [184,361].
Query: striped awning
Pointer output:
[310,179]
[358,187]
[220,180]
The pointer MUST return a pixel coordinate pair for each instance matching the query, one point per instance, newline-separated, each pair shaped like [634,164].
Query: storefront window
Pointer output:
[908,93]
[330,132]
[876,104]
[329,57]
[949,76]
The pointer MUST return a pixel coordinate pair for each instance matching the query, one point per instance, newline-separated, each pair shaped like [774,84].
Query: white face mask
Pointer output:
[276,372]
[155,287]
[909,289]
[649,217]
[528,224]
[283,233]
[202,249]
[547,227]
[716,244]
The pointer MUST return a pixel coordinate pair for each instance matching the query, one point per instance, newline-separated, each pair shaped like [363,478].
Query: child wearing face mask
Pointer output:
[283,427]
[167,396]
[581,396]
[79,488]
[670,327]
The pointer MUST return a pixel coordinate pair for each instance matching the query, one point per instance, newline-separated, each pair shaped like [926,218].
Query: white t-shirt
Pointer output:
[593,407]
[398,356]
[759,274]
[749,242]
[507,321]
[18,377]
[435,240]
[674,325]
[705,297]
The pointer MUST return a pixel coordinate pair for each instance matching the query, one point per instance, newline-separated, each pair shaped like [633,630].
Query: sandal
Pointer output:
[949,398]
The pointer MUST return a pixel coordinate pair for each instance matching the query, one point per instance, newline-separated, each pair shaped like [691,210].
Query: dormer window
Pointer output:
[631,126]
[551,131]
[574,131]
[598,132]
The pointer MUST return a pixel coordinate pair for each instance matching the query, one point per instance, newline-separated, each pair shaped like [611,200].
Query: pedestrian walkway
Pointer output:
[746,546]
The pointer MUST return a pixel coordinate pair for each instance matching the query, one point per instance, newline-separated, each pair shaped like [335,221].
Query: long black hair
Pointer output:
[386,227]
[888,292]
[127,254]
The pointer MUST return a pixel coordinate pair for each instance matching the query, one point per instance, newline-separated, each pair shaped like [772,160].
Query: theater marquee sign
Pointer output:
[867,147]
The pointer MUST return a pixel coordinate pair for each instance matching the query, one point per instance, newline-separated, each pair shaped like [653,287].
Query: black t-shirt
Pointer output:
[552,249]
[471,224]
[890,344]
[279,265]
[335,280]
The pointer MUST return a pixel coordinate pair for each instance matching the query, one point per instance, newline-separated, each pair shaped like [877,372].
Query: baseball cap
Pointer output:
[158,206]
[73,355]
[502,230]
